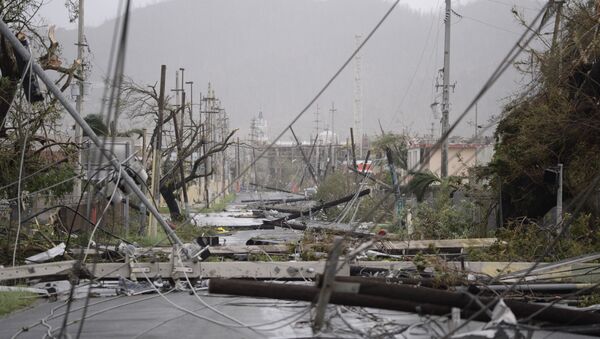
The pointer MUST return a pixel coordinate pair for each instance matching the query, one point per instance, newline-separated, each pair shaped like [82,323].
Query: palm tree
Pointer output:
[421,181]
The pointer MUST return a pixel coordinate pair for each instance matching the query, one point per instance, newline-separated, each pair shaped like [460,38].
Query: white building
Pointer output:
[262,132]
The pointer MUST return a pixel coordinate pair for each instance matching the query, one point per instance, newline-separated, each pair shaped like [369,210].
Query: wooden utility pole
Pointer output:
[446,90]
[157,147]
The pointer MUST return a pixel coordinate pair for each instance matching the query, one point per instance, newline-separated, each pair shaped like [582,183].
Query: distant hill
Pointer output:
[274,55]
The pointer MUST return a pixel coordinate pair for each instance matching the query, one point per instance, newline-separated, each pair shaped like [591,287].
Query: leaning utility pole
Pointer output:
[79,103]
[446,90]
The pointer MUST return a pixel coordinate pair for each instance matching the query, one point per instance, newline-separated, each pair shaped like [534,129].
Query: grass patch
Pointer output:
[219,206]
[163,210]
[12,301]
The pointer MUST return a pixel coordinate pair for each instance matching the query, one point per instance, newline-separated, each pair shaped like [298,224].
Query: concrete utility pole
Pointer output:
[178,143]
[559,196]
[79,103]
[332,110]
[446,89]
[358,109]
[182,103]
[156,156]
[178,128]
[191,83]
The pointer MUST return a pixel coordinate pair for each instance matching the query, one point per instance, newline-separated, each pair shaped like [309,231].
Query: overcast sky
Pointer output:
[98,11]
[255,68]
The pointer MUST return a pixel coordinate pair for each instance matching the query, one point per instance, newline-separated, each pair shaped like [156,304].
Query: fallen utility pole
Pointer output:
[420,300]
[274,201]
[310,293]
[6,32]
[464,301]
[271,188]
[288,270]
[323,206]
[334,228]
[355,278]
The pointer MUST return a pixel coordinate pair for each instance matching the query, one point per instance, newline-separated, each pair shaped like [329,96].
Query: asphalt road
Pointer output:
[151,316]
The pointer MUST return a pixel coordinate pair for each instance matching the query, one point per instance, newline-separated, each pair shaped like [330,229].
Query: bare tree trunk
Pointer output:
[168,193]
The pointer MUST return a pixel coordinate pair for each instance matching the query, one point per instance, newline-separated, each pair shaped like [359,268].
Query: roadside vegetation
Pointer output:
[12,301]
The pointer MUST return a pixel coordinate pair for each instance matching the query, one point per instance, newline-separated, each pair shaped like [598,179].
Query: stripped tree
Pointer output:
[141,103]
